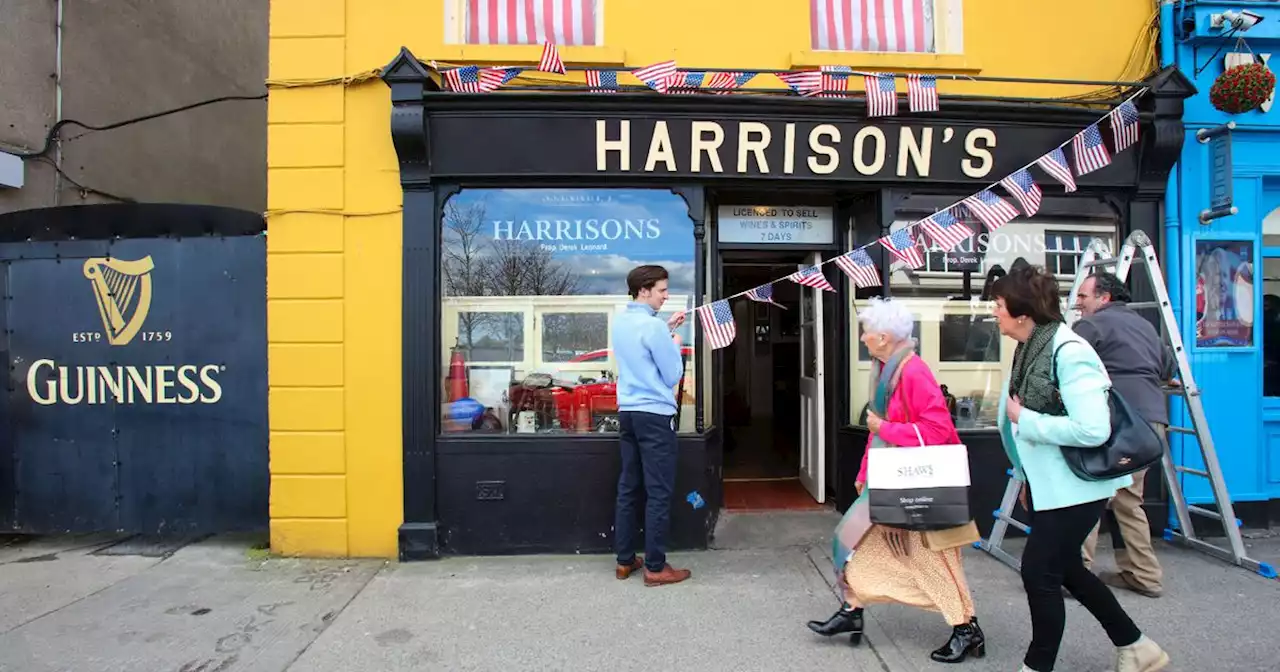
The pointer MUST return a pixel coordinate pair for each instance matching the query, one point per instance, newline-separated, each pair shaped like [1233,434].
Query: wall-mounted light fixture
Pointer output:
[1238,21]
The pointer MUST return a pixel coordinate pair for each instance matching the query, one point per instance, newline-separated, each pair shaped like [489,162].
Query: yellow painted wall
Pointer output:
[333,279]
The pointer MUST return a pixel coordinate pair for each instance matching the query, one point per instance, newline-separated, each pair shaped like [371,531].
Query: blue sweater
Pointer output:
[649,364]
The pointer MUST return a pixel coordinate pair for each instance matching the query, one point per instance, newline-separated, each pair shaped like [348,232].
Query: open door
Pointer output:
[812,418]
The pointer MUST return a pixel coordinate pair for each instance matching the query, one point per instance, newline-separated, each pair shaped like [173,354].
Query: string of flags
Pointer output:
[947,228]
[829,81]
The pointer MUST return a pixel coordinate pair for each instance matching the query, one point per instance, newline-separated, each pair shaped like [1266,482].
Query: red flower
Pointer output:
[1242,88]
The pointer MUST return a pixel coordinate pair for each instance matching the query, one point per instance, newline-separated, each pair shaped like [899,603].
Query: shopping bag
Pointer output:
[919,488]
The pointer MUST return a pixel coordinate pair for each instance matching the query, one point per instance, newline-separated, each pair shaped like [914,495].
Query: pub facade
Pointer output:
[471,407]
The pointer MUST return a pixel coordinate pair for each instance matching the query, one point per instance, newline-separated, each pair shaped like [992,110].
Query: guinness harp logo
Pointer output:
[123,291]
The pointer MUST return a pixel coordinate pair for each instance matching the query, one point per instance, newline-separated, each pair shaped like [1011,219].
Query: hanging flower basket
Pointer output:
[1242,88]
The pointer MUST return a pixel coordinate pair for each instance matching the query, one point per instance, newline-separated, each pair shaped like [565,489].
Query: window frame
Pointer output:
[948,33]
[455,28]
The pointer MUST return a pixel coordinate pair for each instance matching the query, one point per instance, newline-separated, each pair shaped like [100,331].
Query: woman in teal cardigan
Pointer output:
[1036,418]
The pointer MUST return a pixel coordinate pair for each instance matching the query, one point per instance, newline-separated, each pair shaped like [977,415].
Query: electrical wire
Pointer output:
[83,189]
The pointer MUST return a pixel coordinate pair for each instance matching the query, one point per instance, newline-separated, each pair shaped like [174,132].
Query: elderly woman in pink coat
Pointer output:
[878,564]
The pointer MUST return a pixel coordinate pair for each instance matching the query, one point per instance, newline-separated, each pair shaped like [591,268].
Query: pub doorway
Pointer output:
[775,443]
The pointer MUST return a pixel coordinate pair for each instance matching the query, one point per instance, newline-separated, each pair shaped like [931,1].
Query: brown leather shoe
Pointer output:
[625,571]
[667,576]
[1125,581]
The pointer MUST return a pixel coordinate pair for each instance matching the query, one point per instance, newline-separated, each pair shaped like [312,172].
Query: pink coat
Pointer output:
[917,389]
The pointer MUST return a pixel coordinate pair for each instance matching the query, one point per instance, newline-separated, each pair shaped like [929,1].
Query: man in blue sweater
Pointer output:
[649,367]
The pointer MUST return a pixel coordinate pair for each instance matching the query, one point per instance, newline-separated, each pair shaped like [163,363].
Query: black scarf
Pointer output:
[1031,378]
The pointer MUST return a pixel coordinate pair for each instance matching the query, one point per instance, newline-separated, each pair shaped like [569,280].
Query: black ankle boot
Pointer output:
[966,640]
[846,620]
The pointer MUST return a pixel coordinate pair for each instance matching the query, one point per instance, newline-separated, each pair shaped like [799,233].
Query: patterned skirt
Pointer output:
[932,580]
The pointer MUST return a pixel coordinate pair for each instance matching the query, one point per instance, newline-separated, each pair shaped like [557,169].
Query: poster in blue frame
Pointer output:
[1224,293]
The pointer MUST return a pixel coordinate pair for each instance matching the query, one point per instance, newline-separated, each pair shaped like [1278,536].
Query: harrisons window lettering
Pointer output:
[48,384]
[901,151]
[577,229]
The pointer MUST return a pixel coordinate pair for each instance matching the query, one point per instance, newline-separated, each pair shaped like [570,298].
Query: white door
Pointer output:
[812,419]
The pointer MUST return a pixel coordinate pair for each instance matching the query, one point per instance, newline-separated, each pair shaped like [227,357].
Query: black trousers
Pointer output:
[649,452]
[1051,561]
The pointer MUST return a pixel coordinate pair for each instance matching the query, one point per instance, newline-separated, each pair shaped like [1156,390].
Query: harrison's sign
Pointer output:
[881,150]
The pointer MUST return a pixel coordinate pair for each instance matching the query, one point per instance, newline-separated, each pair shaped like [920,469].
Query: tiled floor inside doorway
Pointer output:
[768,494]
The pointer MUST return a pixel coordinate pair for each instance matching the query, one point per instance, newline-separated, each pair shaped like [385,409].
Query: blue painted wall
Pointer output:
[1245,427]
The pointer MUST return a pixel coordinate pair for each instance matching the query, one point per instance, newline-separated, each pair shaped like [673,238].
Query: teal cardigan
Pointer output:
[1035,449]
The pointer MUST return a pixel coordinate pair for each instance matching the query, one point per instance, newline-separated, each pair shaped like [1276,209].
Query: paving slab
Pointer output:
[209,607]
[742,610]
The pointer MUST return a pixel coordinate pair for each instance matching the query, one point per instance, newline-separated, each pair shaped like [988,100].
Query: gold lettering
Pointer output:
[789,149]
[711,147]
[749,145]
[50,396]
[138,383]
[215,390]
[185,379]
[113,385]
[833,157]
[604,145]
[877,151]
[982,153]
[660,149]
[164,382]
[919,152]
[64,383]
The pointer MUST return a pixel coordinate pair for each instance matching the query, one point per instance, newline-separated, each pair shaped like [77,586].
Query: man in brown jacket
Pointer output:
[1137,361]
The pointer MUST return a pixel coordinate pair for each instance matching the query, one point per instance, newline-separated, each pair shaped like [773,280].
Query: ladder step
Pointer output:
[1204,512]
[1189,470]
[1100,262]
[1136,305]
[1181,430]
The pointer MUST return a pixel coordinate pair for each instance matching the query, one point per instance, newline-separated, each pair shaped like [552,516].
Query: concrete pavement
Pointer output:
[220,606]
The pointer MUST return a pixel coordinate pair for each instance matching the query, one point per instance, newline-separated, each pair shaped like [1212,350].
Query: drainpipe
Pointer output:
[1173,191]
[57,102]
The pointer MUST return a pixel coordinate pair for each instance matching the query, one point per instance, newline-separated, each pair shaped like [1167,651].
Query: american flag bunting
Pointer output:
[508,73]
[994,211]
[922,93]
[903,246]
[1091,152]
[1055,164]
[473,79]
[882,95]
[1124,125]
[729,80]
[871,25]
[551,61]
[718,326]
[835,81]
[1023,188]
[567,22]
[764,294]
[811,277]
[945,230]
[602,81]
[657,76]
[803,82]
[860,268]
[687,83]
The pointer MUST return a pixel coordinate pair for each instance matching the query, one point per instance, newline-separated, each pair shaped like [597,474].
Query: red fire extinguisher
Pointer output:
[457,378]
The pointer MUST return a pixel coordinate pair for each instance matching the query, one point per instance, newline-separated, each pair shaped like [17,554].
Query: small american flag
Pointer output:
[602,81]
[835,81]
[657,76]
[902,244]
[472,79]
[1023,189]
[871,25]
[859,267]
[717,323]
[922,93]
[550,61]
[803,82]
[811,277]
[508,73]
[764,294]
[882,95]
[994,211]
[687,82]
[1055,163]
[1124,125]
[729,80]
[1091,152]
[945,230]
[570,22]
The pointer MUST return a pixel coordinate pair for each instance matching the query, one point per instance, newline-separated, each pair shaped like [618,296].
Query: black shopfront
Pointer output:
[523,212]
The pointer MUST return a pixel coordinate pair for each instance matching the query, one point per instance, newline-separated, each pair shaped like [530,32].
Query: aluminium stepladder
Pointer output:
[1139,248]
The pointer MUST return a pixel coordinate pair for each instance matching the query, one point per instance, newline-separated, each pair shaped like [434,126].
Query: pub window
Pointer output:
[567,23]
[950,296]
[894,26]
[533,280]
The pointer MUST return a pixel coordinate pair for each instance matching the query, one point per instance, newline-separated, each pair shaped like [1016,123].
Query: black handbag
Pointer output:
[1132,446]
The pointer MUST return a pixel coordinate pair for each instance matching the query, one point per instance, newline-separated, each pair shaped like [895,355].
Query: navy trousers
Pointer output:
[649,451]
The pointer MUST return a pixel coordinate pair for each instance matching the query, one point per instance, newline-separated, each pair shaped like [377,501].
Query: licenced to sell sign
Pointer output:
[776,224]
